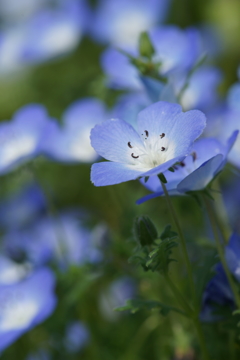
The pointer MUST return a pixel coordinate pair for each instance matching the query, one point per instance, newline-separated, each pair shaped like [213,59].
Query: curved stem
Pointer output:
[201,338]
[183,243]
[213,220]
[179,296]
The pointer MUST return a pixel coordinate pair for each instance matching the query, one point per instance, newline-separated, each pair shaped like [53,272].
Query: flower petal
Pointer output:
[110,140]
[111,173]
[200,178]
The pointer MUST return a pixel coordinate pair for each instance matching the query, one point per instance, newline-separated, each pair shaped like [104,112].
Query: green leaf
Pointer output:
[135,305]
[146,48]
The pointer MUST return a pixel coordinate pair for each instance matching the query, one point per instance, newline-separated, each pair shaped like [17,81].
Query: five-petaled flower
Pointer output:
[165,136]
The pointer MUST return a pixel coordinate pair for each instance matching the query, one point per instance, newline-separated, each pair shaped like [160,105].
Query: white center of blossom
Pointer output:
[153,152]
[17,313]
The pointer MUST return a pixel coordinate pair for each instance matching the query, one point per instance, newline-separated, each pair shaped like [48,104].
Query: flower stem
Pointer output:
[183,303]
[183,243]
[191,314]
[213,220]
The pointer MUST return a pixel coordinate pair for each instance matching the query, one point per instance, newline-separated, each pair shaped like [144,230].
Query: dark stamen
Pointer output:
[163,148]
[194,155]
[182,163]
[146,132]
[129,145]
[133,156]
[162,135]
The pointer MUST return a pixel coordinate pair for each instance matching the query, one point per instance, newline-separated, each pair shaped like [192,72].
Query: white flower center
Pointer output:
[153,152]
[17,313]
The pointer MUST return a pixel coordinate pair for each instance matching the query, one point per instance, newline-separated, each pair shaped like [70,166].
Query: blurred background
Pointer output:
[50,55]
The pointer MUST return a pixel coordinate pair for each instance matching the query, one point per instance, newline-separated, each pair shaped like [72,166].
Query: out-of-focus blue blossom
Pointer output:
[116,295]
[40,355]
[22,208]
[25,304]
[17,12]
[12,272]
[62,239]
[165,136]
[175,49]
[77,337]
[201,91]
[224,119]
[119,22]
[54,32]
[71,143]
[207,159]
[129,105]
[231,197]
[20,138]
[47,33]
[216,295]
[218,292]
[232,254]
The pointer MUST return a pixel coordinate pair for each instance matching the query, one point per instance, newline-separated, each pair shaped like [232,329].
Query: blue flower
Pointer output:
[22,207]
[47,33]
[20,138]
[207,159]
[77,337]
[12,272]
[71,142]
[175,49]
[63,240]
[120,22]
[53,32]
[115,295]
[165,136]
[25,304]
[218,292]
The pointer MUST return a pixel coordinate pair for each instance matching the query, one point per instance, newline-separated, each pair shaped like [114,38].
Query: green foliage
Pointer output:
[144,231]
[135,305]
[146,48]
[155,255]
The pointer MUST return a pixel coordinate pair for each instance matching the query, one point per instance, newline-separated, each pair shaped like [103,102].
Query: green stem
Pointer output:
[201,338]
[183,303]
[213,220]
[191,314]
[183,243]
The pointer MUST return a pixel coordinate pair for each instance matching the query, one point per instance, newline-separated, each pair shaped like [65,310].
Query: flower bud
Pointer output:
[146,48]
[144,230]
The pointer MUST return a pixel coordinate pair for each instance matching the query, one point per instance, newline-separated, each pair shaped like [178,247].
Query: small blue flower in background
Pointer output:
[115,296]
[165,136]
[62,239]
[119,22]
[129,105]
[231,197]
[224,119]
[71,143]
[207,159]
[46,33]
[174,49]
[20,138]
[54,32]
[77,337]
[22,208]
[201,91]
[12,272]
[25,304]
[218,292]
[40,355]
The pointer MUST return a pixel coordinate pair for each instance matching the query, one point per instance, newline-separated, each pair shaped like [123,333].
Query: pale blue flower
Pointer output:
[165,136]
[25,304]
